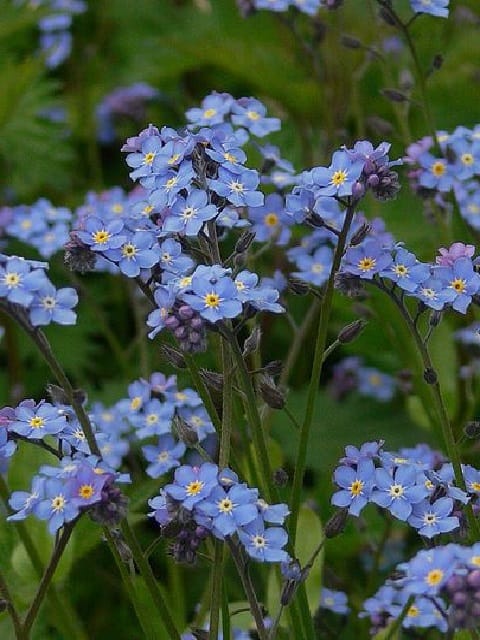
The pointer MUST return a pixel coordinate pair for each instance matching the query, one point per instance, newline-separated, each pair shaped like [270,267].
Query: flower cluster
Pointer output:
[450,164]
[450,282]
[25,287]
[414,485]
[204,500]
[350,374]
[439,587]
[60,494]
[55,37]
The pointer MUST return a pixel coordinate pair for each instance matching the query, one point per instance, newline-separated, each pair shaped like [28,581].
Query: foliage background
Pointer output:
[186,49]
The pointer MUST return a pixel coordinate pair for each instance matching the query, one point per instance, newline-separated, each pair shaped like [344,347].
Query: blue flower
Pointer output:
[339,178]
[213,110]
[270,222]
[250,113]
[406,271]
[18,281]
[188,214]
[398,491]
[375,384]
[139,251]
[23,502]
[36,421]
[436,174]
[461,280]
[356,486]
[163,456]
[193,484]
[433,519]
[434,294]
[314,268]
[85,487]
[100,235]
[438,8]
[229,510]
[366,259]
[213,297]
[57,506]
[238,188]
[53,305]
[335,601]
[264,544]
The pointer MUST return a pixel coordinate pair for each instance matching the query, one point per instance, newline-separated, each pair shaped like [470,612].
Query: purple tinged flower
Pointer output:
[163,456]
[335,601]
[230,509]
[367,450]
[397,491]
[238,188]
[193,484]
[433,519]
[57,506]
[366,259]
[461,280]
[264,544]
[457,250]
[36,421]
[189,214]
[406,271]
[53,305]
[339,178]
[375,384]
[85,487]
[356,486]
[164,297]
[169,184]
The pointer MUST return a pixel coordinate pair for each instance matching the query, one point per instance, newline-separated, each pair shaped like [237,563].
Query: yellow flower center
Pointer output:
[100,237]
[356,487]
[148,158]
[86,491]
[147,209]
[212,300]
[259,541]
[136,403]
[317,267]
[433,577]
[475,560]
[271,219]
[396,491]
[375,380]
[438,168]
[236,186]
[229,157]
[171,183]
[413,611]
[209,113]
[193,488]
[48,302]
[225,505]
[400,270]
[117,208]
[163,456]
[26,224]
[12,279]
[467,159]
[367,264]
[58,503]
[475,486]
[339,177]
[429,519]
[129,250]
[253,115]
[173,159]
[151,418]
[459,285]
[37,422]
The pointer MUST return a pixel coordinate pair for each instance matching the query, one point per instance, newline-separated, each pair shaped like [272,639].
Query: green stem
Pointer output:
[47,577]
[60,607]
[203,391]
[242,570]
[320,345]
[150,581]
[398,622]
[17,624]
[436,393]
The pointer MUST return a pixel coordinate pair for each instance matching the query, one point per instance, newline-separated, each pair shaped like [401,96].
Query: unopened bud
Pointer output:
[360,234]
[314,220]
[173,356]
[58,395]
[336,524]
[350,42]
[270,393]
[394,95]
[430,376]
[472,429]
[244,241]
[298,287]
[437,62]
[434,319]
[252,343]
[351,331]
[280,478]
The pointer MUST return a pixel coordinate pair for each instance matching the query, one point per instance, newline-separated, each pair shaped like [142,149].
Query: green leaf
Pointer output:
[310,534]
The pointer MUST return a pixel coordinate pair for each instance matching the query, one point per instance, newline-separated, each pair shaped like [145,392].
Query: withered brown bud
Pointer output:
[252,343]
[58,395]
[212,379]
[273,368]
[434,319]
[351,331]
[184,431]
[270,393]
[336,524]
[298,287]
[361,234]
[173,356]
[244,241]
[350,42]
